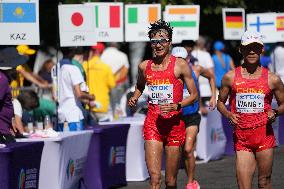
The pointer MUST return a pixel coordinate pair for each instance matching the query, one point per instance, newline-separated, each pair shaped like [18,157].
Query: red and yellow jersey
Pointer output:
[163,85]
[251,99]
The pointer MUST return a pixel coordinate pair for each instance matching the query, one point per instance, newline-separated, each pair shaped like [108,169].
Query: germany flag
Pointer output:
[234,20]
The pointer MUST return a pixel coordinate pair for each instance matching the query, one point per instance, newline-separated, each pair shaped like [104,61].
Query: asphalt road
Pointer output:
[220,174]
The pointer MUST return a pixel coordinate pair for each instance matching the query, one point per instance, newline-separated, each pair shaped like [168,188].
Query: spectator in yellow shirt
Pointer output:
[100,81]
[24,72]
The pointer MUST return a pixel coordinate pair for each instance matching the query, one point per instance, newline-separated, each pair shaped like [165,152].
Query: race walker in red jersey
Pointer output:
[251,100]
[251,88]
[163,126]
[167,128]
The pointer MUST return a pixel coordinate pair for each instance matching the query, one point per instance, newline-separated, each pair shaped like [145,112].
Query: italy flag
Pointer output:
[109,21]
[108,16]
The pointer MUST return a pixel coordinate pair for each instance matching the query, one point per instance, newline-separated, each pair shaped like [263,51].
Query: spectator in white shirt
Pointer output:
[118,61]
[71,86]
[277,61]
[204,60]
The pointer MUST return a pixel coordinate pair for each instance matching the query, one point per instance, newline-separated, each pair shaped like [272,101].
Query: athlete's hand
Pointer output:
[132,101]
[233,118]
[203,110]
[271,116]
[165,108]
[212,103]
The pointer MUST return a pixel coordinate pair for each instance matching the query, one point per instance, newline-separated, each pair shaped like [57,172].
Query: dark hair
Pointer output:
[11,74]
[70,52]
[159,25]
[188,43]
[28,99]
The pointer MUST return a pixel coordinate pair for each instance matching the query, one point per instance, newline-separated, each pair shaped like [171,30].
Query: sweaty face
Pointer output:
[160,43]
[252,52]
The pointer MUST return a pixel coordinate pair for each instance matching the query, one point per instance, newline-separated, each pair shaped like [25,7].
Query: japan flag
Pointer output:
[76,18]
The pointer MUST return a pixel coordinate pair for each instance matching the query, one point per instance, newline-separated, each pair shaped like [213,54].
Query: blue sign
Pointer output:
[18,12]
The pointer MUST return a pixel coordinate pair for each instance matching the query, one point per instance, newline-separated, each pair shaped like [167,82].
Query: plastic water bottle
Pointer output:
[40,124]
[30,125]
[65,126]
[47,122]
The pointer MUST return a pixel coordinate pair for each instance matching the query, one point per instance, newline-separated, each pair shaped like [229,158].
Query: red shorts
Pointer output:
[170,131]
[254,139]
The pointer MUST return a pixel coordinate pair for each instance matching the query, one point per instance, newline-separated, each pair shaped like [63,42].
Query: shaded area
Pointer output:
[220,174]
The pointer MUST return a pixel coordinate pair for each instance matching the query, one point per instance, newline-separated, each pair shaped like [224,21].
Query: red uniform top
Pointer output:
[163,86]
[251,99]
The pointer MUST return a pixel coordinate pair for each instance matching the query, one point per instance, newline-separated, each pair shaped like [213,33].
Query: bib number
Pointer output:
[250,102]
[158,93]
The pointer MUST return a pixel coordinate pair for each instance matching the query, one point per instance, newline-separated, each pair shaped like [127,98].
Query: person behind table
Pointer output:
[25,102]
[72,87]
[9,60]
[163,126]
[100,81]
[24,72]
[251,88]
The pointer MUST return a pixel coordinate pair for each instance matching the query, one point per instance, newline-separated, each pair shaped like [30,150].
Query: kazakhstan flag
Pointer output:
[17,12]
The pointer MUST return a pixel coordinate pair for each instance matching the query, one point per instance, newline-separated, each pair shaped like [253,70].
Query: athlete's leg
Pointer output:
[264,163]
[190,141]
[173,155]
[245,167]
[153,156]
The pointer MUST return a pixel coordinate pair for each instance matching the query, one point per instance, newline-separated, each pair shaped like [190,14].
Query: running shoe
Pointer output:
[193,185]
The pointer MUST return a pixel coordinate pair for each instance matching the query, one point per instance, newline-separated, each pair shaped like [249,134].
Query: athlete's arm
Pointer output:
[223,96]
[140,86]
[232,64]
[185,72]
[182,70]
[211,77]
[277,86]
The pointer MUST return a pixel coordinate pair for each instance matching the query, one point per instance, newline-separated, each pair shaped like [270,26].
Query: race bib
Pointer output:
[162,93]
[250,102]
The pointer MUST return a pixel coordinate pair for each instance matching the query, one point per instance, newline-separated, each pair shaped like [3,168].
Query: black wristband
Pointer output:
[178,106]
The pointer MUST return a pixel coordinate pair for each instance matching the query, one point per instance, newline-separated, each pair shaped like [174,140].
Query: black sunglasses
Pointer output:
[257,48]
[161,41]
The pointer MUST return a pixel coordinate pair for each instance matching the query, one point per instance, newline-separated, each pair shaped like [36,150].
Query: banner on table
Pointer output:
[265,23]
[233,23]
[211,139]
[185,20]
[77,25]
[138,19]
[109,21]
[19,22]
[280,26]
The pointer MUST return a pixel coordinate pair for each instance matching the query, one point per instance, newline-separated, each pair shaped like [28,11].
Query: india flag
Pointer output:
[183,16]
[141,14]
[108,16]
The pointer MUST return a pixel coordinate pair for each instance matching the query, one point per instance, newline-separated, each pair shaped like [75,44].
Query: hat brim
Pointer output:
[5,68]
[248,43]
[10,58]
[30,52]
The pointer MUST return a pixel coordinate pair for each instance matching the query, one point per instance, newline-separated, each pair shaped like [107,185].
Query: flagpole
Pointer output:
[56,65]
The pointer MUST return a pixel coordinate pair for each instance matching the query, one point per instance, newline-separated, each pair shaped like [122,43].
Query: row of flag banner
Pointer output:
[85,24]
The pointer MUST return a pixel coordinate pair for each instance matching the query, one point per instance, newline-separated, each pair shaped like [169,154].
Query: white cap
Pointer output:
[251,37]
[179,52]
